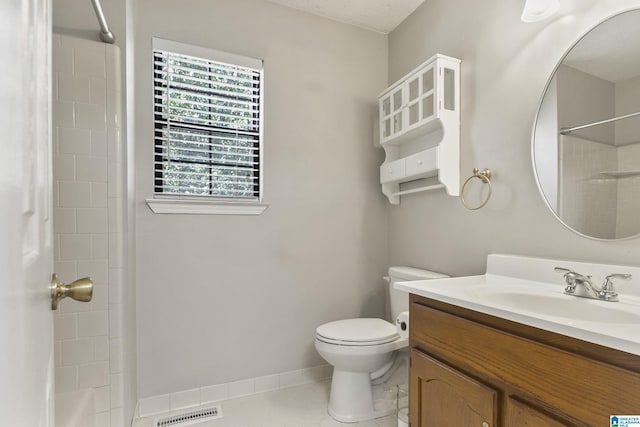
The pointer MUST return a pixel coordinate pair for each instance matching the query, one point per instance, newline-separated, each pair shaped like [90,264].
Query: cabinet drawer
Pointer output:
[422,164]
[393,171]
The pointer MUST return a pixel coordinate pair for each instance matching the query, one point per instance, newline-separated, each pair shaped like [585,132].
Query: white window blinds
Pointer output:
[207,122]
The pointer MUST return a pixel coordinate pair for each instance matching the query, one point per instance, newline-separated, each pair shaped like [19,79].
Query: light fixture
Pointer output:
[537,10]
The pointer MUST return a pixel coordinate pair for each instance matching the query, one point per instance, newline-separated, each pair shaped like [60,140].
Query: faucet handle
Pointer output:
[569,278]
[570,274]
[572,279]
[607,286]
[607,292]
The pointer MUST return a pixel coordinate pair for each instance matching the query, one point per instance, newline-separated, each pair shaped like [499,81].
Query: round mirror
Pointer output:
[586,138]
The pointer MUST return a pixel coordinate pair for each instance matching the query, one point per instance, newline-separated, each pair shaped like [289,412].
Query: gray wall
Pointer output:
[506,64]
[224,298]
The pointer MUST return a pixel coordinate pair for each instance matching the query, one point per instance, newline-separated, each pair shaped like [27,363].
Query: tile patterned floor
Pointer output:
[301,406]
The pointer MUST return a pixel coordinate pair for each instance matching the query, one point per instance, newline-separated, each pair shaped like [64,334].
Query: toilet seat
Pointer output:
[357,332]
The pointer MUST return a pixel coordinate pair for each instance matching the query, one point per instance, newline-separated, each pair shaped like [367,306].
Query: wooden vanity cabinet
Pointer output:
[472,369]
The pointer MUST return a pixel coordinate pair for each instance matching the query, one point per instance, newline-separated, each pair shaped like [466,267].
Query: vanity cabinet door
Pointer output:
[443,397]
[522,415]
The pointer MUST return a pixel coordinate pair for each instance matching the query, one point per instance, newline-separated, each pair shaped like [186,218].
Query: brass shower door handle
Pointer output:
[80,290]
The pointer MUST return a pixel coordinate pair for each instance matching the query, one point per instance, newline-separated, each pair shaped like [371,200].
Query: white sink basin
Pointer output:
[567,306]
[537,299]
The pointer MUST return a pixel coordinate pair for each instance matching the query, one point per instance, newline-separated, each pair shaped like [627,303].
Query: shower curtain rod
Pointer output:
[565,131]
[105,35]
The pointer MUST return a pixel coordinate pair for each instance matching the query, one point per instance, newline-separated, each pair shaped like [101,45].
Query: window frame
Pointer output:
[208,204]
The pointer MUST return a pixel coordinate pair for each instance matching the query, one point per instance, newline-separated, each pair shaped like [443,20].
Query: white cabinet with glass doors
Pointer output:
[420,128]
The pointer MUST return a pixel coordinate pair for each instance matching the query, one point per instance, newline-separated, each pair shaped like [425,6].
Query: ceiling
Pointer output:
[381,16]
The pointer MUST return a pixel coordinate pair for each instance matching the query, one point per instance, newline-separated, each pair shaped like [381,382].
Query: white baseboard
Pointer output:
[219,392]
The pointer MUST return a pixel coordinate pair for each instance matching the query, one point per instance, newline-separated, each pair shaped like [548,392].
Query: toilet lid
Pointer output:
[358,331]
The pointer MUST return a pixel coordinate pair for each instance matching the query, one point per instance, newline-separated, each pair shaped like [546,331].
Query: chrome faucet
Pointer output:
[574,279]
[582,286]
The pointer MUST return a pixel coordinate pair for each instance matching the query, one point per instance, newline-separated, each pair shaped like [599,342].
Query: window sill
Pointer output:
[205,207]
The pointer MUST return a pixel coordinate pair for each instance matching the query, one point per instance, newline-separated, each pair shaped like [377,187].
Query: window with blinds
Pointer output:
[207,122]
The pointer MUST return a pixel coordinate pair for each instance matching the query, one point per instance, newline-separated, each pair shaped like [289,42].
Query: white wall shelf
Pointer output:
[420,128]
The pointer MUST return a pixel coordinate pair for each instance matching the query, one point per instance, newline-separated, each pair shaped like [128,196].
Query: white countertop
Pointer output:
[542,304]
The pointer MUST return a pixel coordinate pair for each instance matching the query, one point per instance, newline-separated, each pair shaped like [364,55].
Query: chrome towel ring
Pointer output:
[485,177]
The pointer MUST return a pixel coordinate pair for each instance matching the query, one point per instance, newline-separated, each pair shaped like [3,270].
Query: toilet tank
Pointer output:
[399,300]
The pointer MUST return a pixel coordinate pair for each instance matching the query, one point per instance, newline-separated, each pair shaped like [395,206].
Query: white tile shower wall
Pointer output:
[88,219]
[628,191]
[583,188]
[215,393]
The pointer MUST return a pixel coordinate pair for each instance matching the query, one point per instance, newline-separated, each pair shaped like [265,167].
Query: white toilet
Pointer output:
[362,350]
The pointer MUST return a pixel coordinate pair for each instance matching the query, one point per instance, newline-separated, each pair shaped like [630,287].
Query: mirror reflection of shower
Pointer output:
[586,144]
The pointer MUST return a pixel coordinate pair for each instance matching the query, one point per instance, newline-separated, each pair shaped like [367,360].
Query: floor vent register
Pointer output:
[190,417]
